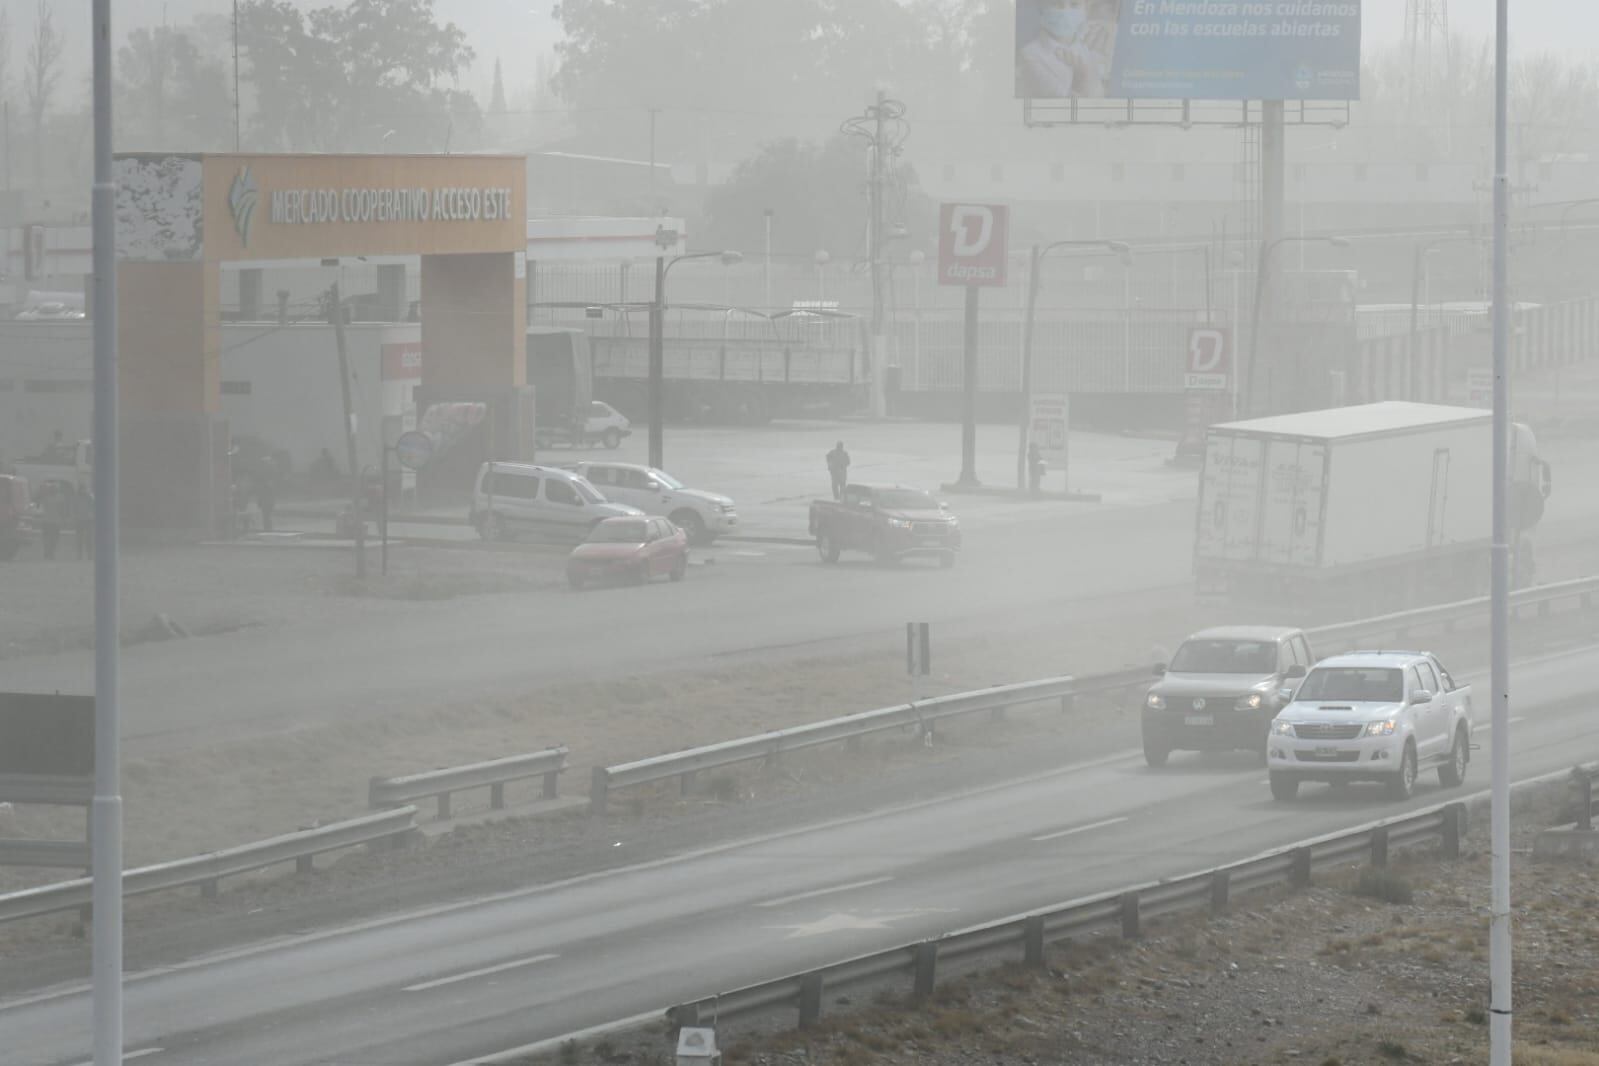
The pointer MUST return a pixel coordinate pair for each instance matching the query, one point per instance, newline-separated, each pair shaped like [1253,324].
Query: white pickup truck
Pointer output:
[63,461]
[1372,716]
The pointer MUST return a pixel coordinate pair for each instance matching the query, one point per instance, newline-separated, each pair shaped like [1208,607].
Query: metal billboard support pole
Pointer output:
[106,808]
[1499,945]
[657,371]
[968,478]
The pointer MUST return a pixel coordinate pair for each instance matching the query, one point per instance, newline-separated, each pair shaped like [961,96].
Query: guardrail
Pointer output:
[1402,623]
[683,765]
[1582,784]
[921,715]
[1124,910]
[394,791]
[207,870]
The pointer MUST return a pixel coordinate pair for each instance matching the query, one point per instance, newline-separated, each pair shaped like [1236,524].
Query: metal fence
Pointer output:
[548,764]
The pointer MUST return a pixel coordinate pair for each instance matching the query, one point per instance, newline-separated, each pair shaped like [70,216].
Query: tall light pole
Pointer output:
[1499,958]
[1423,250]
[106,806]
[822,258]
[767,267]
[1261,267]
[663,267]
[1035,261]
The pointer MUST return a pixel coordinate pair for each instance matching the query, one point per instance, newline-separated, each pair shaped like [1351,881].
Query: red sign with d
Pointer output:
[973,244]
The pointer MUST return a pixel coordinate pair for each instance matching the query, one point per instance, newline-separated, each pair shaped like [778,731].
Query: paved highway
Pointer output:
[444,985]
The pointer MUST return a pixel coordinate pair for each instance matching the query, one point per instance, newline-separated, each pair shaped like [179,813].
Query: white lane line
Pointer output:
[129,1056]
[514,964]
[822,892]
[1079,829]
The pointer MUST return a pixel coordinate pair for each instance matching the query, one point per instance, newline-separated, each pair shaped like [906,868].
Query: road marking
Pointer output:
[839,922]
[515,964]
[129,1056]
[1079,829]
[822,892]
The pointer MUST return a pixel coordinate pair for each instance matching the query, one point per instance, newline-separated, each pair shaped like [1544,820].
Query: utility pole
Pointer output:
[883,128]
[236,106]
[655,208]
[657,372]
[357,490]
[105,811]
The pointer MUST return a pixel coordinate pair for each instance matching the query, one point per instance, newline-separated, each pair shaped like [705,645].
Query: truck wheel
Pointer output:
[1284,787]
[1453,773]
[1155,755]
[827,548]
[612,438]
[693,527]
[1402,783]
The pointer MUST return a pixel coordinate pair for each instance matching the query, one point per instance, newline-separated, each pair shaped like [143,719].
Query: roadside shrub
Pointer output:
[1386,885]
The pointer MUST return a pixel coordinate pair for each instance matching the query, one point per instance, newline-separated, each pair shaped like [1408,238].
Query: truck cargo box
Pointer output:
[1345,488]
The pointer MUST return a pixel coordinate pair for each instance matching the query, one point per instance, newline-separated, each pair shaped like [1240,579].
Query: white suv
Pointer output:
[1372,716]
[513,498]
[703,516]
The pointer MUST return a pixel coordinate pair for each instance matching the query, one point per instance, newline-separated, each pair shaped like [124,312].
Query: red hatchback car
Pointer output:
[629,549]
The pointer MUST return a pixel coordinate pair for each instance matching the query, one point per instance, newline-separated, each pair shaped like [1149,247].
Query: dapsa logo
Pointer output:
[1303,76]
[242,197]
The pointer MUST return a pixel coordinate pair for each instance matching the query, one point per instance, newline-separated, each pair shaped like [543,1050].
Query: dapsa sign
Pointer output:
[1188,49]
[973,244]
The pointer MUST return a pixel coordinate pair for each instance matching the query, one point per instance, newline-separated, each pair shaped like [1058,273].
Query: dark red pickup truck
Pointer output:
[888,521]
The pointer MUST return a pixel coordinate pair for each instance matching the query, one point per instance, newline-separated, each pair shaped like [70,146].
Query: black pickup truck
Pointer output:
[888,521]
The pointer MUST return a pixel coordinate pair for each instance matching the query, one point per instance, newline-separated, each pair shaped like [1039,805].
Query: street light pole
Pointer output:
[663,267]
[1499,944]
[1423,250]
[1261,265]
[106,806]
[1035,262]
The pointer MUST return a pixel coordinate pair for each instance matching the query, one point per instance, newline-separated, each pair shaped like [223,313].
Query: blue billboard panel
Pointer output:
[1188,49]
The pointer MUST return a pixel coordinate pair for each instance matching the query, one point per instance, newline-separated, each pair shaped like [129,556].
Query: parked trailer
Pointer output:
[1372,503]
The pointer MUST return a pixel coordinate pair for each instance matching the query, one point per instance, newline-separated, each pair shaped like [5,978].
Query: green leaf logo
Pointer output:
[242,195]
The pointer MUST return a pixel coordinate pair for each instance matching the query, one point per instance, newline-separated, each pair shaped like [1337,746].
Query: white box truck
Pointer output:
[1375,505]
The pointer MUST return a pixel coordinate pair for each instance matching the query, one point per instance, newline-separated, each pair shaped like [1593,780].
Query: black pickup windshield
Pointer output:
[905,500]
[1225,657]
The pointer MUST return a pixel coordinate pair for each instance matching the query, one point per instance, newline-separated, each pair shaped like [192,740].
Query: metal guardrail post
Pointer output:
[599,790]
[810,1000]
[1033,942]
[1130,916]
[1379,847]
[551,784]
[444,805]
[1584,800]
[497,796]
[208,889]
[1221,883]
[926,964]
[304,864]
[685,782]
[374,787]
[1067,702]
[1454,828]
[1299,872]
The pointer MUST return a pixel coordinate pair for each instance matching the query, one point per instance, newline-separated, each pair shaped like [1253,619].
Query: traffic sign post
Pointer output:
[414,450]
[973,251]
[1049,427]
[1211,387]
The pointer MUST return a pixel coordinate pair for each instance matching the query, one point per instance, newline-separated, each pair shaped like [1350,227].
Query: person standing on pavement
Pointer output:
[838,468]
[53,516]
[83,521]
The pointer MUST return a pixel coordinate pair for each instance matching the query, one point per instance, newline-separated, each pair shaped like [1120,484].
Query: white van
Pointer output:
[703,516]
[511,499]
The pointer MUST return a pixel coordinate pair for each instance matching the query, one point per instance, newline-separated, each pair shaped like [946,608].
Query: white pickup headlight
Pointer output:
[1282,729]
[1155,701]
[1381,729]
[899,523]
[1251,702]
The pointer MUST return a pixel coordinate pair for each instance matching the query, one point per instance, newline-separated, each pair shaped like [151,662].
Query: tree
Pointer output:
[367,76]
[497,96]
[170,95]
[711,66]
[818,197]
[43,72]
[5,90]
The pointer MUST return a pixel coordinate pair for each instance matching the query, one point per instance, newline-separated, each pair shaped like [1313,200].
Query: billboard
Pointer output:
[1188,49]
